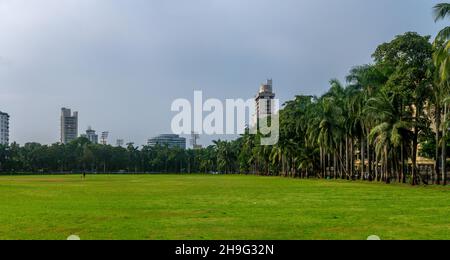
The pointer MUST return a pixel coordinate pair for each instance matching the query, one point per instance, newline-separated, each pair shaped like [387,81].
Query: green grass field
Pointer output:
[217,207]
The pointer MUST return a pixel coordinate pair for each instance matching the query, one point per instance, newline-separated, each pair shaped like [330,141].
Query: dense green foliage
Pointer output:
[83,156]
[372,128]
[217,207]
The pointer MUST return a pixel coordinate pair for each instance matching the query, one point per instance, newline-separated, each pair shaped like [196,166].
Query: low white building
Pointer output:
[169,140]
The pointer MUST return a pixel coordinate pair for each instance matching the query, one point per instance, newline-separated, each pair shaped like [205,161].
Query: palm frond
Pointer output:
[441,11]
[447,100]
[378,130]
[444,34]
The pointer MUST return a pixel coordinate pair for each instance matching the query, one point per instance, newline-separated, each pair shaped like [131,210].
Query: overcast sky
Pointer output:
[121,63]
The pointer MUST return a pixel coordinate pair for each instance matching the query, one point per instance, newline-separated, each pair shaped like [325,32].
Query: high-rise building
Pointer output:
[263,102]
[4,128]
[91,135]
[263,99]
[169,140]
[69,125]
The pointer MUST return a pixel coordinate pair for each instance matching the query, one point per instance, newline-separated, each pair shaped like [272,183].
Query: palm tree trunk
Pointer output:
[394,166]
[414,156]
[293,173]
[336,165]
[369,158]
[347,159]
[363,163]
[382,167]
[327,165]
[376,168]
[387,175]
[414,148]
[438,115]
[352,158]
[444,163]
[341,165]
[286,167]
[402,170]
[444,148]
[321,163]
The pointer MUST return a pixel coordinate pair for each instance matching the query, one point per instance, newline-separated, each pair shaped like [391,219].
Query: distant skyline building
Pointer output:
[4,128]
[119,142]
[104,138]
[265,94]
[91,135]
[263,101]
[69,125]
[194,140]
[170,140]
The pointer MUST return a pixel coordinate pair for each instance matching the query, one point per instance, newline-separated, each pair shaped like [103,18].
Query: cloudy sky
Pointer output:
[121,63]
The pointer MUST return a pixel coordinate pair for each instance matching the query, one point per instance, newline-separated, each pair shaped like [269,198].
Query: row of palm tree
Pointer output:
[370,129]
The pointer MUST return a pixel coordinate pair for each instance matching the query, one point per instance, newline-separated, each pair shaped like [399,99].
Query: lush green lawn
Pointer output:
[217,207]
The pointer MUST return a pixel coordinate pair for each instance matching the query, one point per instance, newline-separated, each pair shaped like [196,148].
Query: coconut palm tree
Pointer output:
[226,156]
[445,138]
[326,129]
[364,83]
[441,58]
[442,11]
[391,132]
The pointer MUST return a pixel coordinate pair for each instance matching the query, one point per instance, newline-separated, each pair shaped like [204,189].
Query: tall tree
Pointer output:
[406,61]
[441,88]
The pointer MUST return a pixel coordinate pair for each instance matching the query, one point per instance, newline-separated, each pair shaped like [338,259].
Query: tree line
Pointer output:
[372,127]
[83,156]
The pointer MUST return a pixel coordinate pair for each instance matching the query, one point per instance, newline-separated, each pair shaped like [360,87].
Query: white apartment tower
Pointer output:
[4,128]
[69,125]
